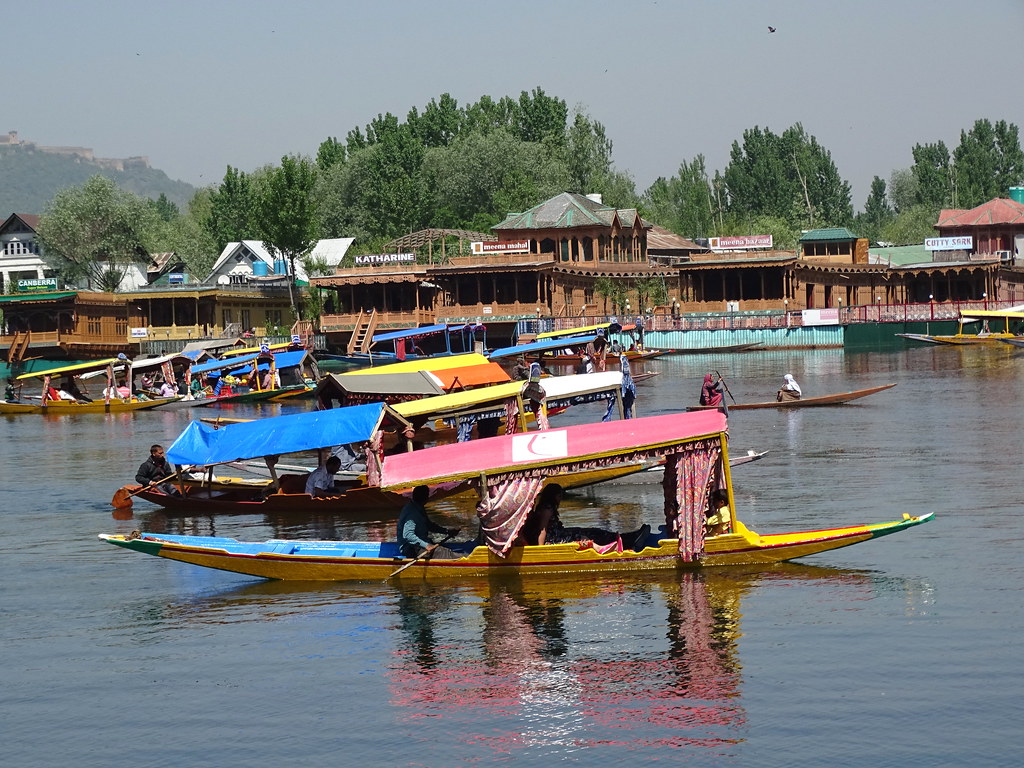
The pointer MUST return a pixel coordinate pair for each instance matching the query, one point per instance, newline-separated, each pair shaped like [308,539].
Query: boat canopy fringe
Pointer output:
[688,477]
[690,470]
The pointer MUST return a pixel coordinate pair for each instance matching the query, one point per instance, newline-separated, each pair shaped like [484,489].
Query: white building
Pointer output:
[20,257]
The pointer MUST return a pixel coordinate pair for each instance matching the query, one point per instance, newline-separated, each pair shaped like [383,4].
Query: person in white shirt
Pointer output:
[321,480]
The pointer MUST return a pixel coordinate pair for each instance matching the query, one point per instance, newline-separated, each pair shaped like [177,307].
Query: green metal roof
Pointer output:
[900,255]
[566,211]
[11,298]
[834,233]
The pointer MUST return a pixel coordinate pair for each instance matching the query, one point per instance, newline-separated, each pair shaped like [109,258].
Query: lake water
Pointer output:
[898,652]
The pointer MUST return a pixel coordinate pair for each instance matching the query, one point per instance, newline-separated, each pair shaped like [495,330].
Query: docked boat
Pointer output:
[72,394]
[1005,321]
[455,339]
[508,473]
[719,350]
[838,398]
[268,376]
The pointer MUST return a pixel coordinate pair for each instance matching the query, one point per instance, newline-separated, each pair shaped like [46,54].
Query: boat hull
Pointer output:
[63,407]
[346,561]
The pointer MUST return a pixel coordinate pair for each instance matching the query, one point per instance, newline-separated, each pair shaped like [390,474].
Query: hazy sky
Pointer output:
[198,86]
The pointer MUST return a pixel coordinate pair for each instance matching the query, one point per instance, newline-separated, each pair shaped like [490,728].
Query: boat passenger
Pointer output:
[521,371]
[70,386]
[712,393]
[320,482]
[543,526]
[10,394]
[415,527]
[155,468]
[616,348]
[790,390]
[597,350]
[719,519]
[167,389]
[586,364]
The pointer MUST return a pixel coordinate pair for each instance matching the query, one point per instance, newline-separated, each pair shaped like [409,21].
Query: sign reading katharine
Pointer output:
[385,258]
[739,242]
[519,246]
[961,243]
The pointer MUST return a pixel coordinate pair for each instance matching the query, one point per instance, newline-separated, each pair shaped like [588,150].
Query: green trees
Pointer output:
[789,177]
[96,232]
[987,163]
[286,214]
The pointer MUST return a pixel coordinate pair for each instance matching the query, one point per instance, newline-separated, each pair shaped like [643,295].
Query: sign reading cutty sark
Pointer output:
[37,284]
[497,246]
[961,243]
[377,259]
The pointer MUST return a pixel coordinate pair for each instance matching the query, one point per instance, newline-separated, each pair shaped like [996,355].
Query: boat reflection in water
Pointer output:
[565,664]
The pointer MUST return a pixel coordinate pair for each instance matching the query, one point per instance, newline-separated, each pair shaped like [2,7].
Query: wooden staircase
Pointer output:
[362,334]
[304,330]
[19,346]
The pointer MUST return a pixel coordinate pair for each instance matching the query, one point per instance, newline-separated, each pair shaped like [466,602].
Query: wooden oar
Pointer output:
[421,555]
[725,385]
[123,497]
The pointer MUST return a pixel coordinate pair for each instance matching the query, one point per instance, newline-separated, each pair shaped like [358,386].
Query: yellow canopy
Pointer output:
[94,365]
[459,401]
[985,314]
[427,364]
[250,350]
[573,331]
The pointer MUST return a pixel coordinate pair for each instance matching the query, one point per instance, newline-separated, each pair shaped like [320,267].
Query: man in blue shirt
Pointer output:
[414,528]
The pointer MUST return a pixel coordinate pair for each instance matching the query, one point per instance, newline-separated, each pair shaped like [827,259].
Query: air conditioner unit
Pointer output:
[1004,255]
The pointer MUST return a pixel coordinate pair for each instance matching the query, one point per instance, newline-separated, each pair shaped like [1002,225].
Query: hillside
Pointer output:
[29,178]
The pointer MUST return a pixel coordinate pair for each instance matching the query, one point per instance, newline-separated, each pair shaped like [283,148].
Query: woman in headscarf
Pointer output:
[713,393]
[790,390]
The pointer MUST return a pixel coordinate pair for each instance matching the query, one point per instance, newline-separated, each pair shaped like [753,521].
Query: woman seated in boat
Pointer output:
[790,390]
[719,518]
[543,526]
[713,393]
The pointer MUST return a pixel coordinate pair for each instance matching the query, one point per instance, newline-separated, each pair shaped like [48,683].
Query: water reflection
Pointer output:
[563,664]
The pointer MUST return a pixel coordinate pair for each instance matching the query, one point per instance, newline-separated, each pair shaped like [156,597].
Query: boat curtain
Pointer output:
[504,507]
[511,416]
[465,424]
[688,477]
[374,458]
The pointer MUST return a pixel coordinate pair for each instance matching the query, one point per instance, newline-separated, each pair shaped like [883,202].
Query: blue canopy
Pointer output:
[410,333]
[201,444]
[217,365]
[281,360]
[541,346]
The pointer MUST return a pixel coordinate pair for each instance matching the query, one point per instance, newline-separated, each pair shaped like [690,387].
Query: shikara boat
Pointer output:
[293,372]
[509,472]
[456,338]
[48,402]
[839,398]
[1007,319]
[205,446]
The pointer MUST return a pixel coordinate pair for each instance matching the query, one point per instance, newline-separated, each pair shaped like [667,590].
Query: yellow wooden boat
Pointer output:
[509,471]
[50,402]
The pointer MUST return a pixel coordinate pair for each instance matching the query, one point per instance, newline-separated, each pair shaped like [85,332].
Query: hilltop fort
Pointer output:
[82,153]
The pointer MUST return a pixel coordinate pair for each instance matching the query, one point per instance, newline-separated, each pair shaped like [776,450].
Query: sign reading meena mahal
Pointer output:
[517,246]
[739,242]
[961,243]
[376,259]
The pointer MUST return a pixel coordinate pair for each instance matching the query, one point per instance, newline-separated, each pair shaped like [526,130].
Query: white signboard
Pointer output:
[533,446]
[386,258]
[821,316]
[139,333]
[739,242]
[479,248]
[961,243]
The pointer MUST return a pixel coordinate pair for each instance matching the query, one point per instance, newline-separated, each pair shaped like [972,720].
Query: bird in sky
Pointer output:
[771,29]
